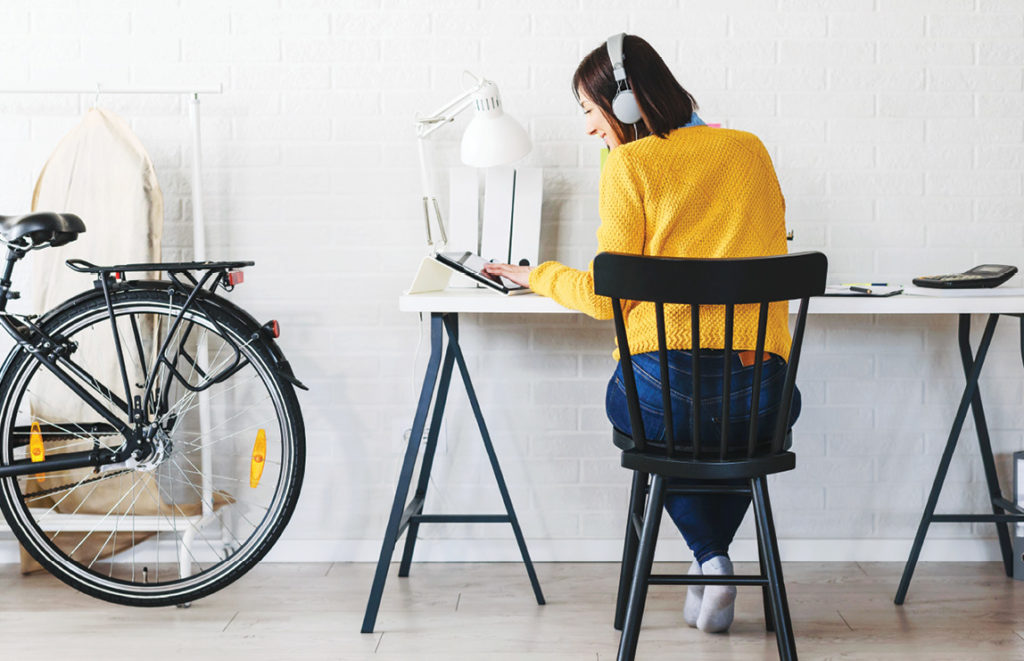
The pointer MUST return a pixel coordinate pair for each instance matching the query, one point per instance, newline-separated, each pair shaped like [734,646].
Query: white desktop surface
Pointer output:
[487,301]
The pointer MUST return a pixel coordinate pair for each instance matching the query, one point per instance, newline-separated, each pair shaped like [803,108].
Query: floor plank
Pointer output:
[463,612]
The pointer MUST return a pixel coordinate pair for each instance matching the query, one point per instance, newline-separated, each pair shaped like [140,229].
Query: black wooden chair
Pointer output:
[697,282]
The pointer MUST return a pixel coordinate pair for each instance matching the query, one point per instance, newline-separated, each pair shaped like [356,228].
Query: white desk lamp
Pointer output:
[492,138]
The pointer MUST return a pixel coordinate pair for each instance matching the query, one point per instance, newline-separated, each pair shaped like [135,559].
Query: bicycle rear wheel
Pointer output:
[228,453]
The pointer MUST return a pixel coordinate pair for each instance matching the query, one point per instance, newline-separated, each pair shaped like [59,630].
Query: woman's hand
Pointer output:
[517,274]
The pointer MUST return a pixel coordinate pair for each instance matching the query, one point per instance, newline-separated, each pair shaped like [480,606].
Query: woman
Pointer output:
[674,187]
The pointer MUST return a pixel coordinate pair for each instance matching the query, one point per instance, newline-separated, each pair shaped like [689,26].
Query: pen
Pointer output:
[862,290]
[865,284]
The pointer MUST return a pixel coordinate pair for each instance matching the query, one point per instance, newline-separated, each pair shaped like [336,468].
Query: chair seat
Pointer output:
[624,441]
[706,469]
[57,228]
[708,466]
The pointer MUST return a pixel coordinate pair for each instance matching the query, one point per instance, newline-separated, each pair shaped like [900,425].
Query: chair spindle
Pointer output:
[636,422]
[755,400]
[727,380]
[666,388]
[782,424]
[695,370]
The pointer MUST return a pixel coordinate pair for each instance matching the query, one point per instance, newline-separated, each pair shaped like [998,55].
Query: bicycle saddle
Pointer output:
[45,226]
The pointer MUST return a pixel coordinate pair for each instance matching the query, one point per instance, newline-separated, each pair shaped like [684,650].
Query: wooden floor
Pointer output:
[456,612]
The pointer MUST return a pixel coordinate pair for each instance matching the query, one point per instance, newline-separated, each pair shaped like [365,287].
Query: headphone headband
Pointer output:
[616,56]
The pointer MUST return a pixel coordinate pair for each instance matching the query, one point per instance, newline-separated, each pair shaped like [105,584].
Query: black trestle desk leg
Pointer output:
[985,445]
[970,390]
[405,478]
[452,325]
[416,507]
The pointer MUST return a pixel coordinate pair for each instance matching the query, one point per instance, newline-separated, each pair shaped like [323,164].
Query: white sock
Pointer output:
[691,610]
[718,603]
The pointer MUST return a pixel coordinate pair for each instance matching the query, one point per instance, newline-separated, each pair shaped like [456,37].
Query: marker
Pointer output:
[862,290]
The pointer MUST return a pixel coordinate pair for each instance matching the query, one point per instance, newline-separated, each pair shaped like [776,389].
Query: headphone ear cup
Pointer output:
[625,107]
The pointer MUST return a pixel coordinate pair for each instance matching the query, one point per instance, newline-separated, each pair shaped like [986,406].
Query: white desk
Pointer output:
[444,308]
[486,301]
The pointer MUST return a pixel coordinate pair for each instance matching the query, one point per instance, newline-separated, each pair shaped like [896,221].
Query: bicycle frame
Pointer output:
[54,353]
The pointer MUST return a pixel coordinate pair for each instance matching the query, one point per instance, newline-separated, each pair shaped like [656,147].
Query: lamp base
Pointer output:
[431,276]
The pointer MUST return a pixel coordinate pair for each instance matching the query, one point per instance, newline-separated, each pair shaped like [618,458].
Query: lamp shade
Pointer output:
[492,137]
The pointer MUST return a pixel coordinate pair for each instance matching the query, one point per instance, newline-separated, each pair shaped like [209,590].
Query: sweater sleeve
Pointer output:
[622,230]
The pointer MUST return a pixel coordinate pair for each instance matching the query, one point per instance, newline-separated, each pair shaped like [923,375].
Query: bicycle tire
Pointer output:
[124,575]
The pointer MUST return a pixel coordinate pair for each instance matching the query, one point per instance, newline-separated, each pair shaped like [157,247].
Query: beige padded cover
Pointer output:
[100,172]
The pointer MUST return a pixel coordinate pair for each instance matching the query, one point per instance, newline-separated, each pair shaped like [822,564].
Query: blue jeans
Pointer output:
[707,522]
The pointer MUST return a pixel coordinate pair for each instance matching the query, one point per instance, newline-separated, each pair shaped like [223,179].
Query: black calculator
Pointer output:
[986,275]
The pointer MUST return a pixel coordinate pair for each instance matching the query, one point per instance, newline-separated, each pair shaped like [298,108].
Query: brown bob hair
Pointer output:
[664,104]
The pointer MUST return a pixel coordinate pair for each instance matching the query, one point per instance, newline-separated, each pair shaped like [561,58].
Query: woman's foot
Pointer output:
[694,593]
[718,603]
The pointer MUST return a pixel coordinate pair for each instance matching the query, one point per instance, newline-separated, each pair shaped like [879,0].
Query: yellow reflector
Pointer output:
[259,457]
[36,451]
[35,443]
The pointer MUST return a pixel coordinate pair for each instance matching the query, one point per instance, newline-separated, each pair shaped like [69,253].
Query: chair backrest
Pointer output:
[720,282]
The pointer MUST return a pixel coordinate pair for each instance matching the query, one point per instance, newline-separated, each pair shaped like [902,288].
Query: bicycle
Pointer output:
[163,476]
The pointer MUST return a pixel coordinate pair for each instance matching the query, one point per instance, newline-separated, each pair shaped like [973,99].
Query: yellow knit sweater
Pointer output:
[700,192]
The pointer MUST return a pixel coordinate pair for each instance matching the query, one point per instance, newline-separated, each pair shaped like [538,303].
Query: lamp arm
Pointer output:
[427,125]
[449,111]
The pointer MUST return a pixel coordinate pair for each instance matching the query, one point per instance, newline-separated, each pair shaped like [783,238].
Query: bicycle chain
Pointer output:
[104,476]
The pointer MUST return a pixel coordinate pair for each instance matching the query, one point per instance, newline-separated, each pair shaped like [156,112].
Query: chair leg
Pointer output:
[642,572]
[769,622]
[780,606]
[629,546]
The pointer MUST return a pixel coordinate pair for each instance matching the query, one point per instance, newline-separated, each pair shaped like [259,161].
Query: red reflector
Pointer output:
[235,277]
[271,328]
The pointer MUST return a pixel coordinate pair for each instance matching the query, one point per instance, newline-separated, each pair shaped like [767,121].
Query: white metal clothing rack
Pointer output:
[198,221]
[198,238]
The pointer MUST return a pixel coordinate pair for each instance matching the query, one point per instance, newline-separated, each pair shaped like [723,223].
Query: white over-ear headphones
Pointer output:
[624,105]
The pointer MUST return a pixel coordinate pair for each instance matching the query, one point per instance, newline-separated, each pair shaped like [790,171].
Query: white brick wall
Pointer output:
[897,129]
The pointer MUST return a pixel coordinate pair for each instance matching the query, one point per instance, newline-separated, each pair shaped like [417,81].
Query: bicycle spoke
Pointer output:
[135,480]
[78,435]
[192,443]
[215,513]
[196,438]
[158,504]
[200,493]
[113,532]
[58,503]
[105,517]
